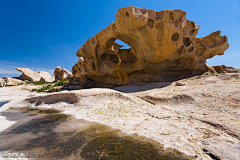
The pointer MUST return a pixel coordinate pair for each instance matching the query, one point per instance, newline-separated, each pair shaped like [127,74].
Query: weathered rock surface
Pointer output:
[163,48]
[200,119]
[226,69]
[8,81]
[2,82]
[30,75]
[61,73]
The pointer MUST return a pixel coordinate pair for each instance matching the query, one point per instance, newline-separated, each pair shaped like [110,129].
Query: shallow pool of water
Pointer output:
[49,134]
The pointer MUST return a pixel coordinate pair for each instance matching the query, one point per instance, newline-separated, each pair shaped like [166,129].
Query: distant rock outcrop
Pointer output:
[222,69]
[163,48]
[225,69]
[30,75]
[61,73]
[8,81]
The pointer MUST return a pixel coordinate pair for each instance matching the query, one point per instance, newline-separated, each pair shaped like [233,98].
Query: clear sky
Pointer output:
[43,34]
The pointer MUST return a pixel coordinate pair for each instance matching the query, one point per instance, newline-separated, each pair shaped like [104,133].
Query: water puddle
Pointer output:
[49,134]
[2,103]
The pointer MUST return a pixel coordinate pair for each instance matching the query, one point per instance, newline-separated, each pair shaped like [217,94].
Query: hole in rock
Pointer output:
[186,41]
[127,14]
[150,23]
[175,37]
[125,45]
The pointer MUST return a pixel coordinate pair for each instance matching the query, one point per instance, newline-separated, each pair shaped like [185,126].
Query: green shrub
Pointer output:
[43,88]
[39,83]
[220,72]
[59,83]
[36,82]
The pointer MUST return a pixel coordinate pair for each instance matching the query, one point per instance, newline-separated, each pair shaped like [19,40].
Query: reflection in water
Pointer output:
[2,103]
[48,134]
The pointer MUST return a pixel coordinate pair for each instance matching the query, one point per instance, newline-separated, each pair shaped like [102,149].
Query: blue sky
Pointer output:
[43,34]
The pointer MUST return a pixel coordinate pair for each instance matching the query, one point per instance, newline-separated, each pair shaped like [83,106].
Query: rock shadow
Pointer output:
[48,134]
[131,88]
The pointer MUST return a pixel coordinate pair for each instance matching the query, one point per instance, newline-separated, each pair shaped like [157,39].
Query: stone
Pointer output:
[225,69]
[9,81]
[199,119]
[12,81]
[2,82]
[222,69]
[163,48]
[30,75]
[61,73]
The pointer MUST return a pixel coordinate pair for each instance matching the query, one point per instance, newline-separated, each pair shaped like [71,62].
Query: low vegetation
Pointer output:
[50,86]
[36,82]
[220,72]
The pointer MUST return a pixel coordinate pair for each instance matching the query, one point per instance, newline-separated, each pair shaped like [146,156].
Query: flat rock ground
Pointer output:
[199,116]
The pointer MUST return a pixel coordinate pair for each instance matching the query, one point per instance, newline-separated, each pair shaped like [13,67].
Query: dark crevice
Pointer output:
[186,41]
[127,14]
[214,157]
[171,16]
[94,66]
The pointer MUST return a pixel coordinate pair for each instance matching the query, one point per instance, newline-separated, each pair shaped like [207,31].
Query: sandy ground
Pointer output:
[200,118]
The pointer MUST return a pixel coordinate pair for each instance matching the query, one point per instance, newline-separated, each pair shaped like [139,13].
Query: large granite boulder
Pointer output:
[163,48]
[61,73]
[30,75]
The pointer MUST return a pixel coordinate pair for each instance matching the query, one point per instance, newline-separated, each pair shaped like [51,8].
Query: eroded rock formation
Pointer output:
[30,75]
[61,73]
[163,48]
[9,81]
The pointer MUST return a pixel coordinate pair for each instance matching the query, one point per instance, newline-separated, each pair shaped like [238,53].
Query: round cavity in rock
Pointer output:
[175,37]
[186,41]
